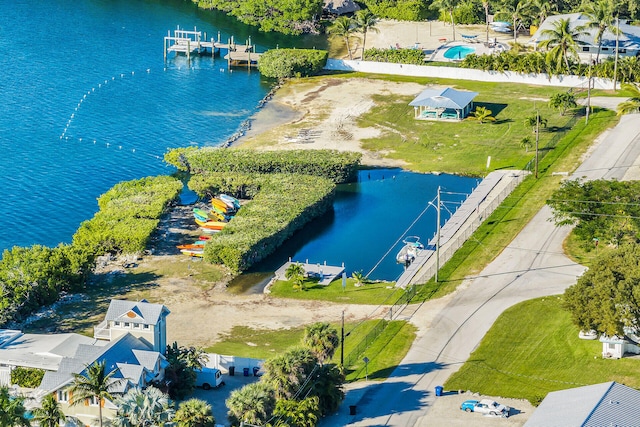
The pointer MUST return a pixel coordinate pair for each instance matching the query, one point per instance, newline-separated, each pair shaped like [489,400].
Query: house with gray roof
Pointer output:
[606,404]
[447,103]
[131,340]
[628,39]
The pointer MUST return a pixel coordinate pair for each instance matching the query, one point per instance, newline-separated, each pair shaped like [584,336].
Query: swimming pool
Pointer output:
[459,52]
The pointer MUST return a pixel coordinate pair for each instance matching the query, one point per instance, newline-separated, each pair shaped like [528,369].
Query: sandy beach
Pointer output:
[322,113]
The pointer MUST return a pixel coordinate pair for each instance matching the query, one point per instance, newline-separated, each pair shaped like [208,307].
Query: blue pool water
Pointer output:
[458,52]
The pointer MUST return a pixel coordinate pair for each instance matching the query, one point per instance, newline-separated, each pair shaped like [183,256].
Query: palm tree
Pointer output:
[447,6]
[253,403]
[601,14]
[562,40]
[365,21]
[194,413]
[295,273]
[49,413]
[287,372]
[562,101]
[12,410]
[542,8]
[142,408]
[343,27]
[631,105]
[303,413]
[535,120]
[482,114]
[95,384]
[322,340]
[327,385]
[517,9]
[526,143]
[359,277]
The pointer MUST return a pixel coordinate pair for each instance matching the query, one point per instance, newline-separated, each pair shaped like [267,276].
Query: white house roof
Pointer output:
[590,406]
[628,39]
[443,98]
[136,312]
[340,7]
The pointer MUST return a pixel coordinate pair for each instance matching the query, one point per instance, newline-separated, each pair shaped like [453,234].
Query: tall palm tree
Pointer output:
[49,414]
[142,408]
[365,21]
[542,9]
[12,410]
[322,340]
[287,372]
[295,273]
[517,9]
[303,413]
[601,14]
[535,120]
[343,27]
[253,403]
[447,6]
[631,105]
[96,383]
[561,39]
[194,413]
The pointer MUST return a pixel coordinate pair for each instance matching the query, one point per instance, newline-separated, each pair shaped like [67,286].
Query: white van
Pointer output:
[208,378]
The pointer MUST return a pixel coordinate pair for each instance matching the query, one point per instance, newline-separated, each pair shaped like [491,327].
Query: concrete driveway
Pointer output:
[533,265]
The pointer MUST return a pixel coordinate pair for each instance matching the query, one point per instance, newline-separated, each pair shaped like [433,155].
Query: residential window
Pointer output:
[585,48]
[93,401]
[63,396]
[622,50]
[127,324]
[116,323]
[604,49]
[145,326]
[612,346]
[136,326]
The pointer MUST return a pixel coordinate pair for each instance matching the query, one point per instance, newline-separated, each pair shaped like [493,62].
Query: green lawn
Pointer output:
[385,353]
[532,349]
[372,293]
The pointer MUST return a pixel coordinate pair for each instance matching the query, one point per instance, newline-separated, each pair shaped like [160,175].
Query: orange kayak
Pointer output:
[217,203]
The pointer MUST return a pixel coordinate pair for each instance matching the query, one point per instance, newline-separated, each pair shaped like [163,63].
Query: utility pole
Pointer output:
[342,342]
[615,64]
[438,236]
[537,140]
[589,92]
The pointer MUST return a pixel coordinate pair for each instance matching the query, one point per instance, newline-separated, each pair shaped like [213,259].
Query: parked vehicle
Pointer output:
[485,406]
[208,378]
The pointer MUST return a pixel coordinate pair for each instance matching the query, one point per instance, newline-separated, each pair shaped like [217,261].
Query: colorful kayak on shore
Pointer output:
[222,206]
[214,225]
[230,200]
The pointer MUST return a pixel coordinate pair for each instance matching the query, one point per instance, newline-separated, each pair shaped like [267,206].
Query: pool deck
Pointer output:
[481,48]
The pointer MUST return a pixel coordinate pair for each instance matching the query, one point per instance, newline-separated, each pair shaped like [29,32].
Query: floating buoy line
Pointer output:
[243,128]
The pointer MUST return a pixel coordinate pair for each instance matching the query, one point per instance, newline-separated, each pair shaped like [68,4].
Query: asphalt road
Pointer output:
[533,265]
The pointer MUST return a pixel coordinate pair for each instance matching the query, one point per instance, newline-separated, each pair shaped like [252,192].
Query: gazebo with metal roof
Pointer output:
[445,103]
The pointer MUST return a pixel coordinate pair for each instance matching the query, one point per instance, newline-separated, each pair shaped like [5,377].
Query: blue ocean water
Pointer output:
[87,101]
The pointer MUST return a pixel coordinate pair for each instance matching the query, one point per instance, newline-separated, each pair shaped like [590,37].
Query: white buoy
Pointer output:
[80,139]
[99,85]
[119,147]
[148,70]
[113,78]
[133,150]
[93,89]
[84,96]
[94,141]
[108,144]
[132,73]
[121,75]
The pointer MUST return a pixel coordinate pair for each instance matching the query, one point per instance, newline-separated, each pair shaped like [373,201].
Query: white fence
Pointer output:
[223,362]
[466,74]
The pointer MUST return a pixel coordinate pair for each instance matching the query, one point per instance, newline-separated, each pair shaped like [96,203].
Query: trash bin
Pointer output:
[245,371]
[352,409]
[232,371]
[439,389]
[256,369]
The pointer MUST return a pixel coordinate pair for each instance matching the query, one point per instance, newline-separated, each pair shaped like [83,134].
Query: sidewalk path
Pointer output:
[533,265]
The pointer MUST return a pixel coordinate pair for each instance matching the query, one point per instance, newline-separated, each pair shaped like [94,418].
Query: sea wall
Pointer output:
[466,74]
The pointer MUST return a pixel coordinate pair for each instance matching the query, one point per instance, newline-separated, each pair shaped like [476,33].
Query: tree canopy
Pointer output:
[607,297]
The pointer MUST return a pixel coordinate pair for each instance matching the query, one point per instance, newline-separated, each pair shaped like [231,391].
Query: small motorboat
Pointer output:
[410,250]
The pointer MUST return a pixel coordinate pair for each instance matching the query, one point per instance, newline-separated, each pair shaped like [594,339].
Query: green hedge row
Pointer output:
[281,205]
[282,63]
[338,166]
[395,56]
[129,214]
[27,377]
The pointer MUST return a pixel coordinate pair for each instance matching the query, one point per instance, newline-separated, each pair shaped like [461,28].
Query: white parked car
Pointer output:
[486,406]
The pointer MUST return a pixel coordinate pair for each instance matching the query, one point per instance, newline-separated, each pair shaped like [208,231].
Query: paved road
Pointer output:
[533,265]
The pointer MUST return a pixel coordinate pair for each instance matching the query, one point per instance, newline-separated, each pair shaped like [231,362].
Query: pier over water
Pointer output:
[194,42]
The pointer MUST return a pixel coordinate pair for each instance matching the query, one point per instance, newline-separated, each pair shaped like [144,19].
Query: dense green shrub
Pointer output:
[282,16]
[395,56]
[468,12]
[282,63]
[35,276]
[26,377]
[338,166]
[402,10]
[282,204]
[129,214]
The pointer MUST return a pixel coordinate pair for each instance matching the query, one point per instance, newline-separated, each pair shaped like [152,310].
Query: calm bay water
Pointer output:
[370,219]
[87,101]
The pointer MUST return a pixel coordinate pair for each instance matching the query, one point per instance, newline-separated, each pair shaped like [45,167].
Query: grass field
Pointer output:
[532,349]
[372,293]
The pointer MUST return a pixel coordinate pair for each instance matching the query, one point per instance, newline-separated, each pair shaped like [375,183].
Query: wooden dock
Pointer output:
[325,273]
[194,42]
